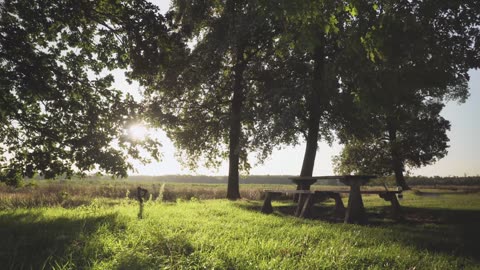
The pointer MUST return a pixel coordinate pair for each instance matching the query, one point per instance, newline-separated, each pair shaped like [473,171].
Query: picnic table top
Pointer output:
[339,177]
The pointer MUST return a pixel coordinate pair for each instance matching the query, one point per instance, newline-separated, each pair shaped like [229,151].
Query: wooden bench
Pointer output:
[308,198]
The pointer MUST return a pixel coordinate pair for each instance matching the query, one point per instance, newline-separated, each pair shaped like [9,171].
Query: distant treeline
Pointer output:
[431,181]
[449,180]
[206,179]
[283,179]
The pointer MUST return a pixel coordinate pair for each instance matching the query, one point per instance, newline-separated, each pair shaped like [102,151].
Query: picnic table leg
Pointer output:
[307,206]
[339,207]
[300,187]
[267,204]
[295,196]
[355,210]
[392,198]
[301,202]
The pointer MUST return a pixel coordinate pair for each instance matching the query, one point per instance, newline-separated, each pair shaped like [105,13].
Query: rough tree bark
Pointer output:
[314,113]
[397,163]
[233,188]
[311,145]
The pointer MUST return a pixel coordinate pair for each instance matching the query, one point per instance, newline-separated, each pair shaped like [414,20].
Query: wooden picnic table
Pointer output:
[355,211]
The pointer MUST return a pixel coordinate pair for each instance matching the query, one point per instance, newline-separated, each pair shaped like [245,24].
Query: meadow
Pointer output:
[95,225]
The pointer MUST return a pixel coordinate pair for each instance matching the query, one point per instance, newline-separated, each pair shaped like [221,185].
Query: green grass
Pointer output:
[438,232]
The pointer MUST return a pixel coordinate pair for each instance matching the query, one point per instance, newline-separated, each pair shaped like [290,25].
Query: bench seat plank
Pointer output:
[289,191]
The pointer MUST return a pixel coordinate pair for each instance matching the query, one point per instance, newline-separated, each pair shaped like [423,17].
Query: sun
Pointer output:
[138,132]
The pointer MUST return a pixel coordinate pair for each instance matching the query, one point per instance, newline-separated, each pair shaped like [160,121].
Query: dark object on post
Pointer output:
[141,193]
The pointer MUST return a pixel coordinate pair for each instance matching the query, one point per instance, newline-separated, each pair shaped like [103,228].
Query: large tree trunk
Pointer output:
[312,145]
[233,188]
[398,169]
[397,162]
[314,113]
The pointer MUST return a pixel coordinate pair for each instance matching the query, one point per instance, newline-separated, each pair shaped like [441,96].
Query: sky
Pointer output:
[463,154]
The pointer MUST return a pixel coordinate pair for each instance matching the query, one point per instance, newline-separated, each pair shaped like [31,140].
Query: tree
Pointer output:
[59,113]
[320,39]
[303,94]
[421,140]
[206,101]
[419,54]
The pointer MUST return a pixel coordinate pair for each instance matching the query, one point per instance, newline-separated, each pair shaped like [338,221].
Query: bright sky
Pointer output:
[463,157]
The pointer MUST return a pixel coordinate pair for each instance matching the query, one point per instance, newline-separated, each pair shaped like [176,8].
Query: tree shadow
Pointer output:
[30,241]
[439,230]
[449,231]
[320,211]
[176,253]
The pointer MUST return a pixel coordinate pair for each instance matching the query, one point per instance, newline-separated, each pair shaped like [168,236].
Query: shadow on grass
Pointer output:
[173,252]
[448,231]
[30,241]
[440,230]
[321,211]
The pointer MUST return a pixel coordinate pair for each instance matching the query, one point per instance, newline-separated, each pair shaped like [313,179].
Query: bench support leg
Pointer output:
[267,204]
[301,202]
[355,210]
[392,198]
[307,206]
[296,197]
[339,207]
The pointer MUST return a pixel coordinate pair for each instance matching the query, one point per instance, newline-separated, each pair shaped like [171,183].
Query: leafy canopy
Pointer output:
[59,113]
[192,101]
[418,54]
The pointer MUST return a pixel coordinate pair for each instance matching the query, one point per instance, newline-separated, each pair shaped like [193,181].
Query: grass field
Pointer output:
[440,231]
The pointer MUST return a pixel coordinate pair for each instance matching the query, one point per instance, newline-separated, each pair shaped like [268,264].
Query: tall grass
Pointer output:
[75,193]
[67,193]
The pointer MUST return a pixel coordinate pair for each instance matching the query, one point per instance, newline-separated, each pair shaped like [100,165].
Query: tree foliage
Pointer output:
[227,78]
[207,102]
[418,57]
[421,140]
[59,113]
[305,70]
